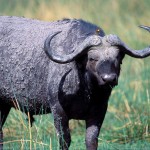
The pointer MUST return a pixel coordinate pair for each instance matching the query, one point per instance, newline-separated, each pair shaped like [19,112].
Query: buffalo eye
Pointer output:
[93,59]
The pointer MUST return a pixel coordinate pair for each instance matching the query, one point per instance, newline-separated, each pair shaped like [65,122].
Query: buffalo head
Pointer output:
[104,56]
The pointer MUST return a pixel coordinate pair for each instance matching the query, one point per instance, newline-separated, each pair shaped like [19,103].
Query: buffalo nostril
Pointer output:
[109,78]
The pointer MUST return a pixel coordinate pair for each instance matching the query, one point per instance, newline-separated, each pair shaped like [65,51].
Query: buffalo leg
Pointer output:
[61,123]
[4,111]
[92,132]
[31,118]
[93,125]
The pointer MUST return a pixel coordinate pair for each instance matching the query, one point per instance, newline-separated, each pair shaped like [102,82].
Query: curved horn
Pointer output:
[89,41]
[145,27]
[114,40]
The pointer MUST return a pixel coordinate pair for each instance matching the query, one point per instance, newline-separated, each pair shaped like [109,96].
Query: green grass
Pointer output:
[127,122]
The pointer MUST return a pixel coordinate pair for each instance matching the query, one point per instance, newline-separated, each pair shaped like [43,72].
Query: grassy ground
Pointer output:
[127,122]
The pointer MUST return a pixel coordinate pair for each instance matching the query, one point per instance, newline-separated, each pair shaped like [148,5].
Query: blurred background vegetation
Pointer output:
[127,122]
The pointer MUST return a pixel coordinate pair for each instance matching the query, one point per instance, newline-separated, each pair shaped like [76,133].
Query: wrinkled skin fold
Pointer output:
[67,68]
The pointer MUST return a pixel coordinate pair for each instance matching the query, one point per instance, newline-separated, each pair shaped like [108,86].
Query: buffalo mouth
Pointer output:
[102,80]
[107,80]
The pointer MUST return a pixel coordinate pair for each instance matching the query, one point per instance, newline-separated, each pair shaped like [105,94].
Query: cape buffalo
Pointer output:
[66,67]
